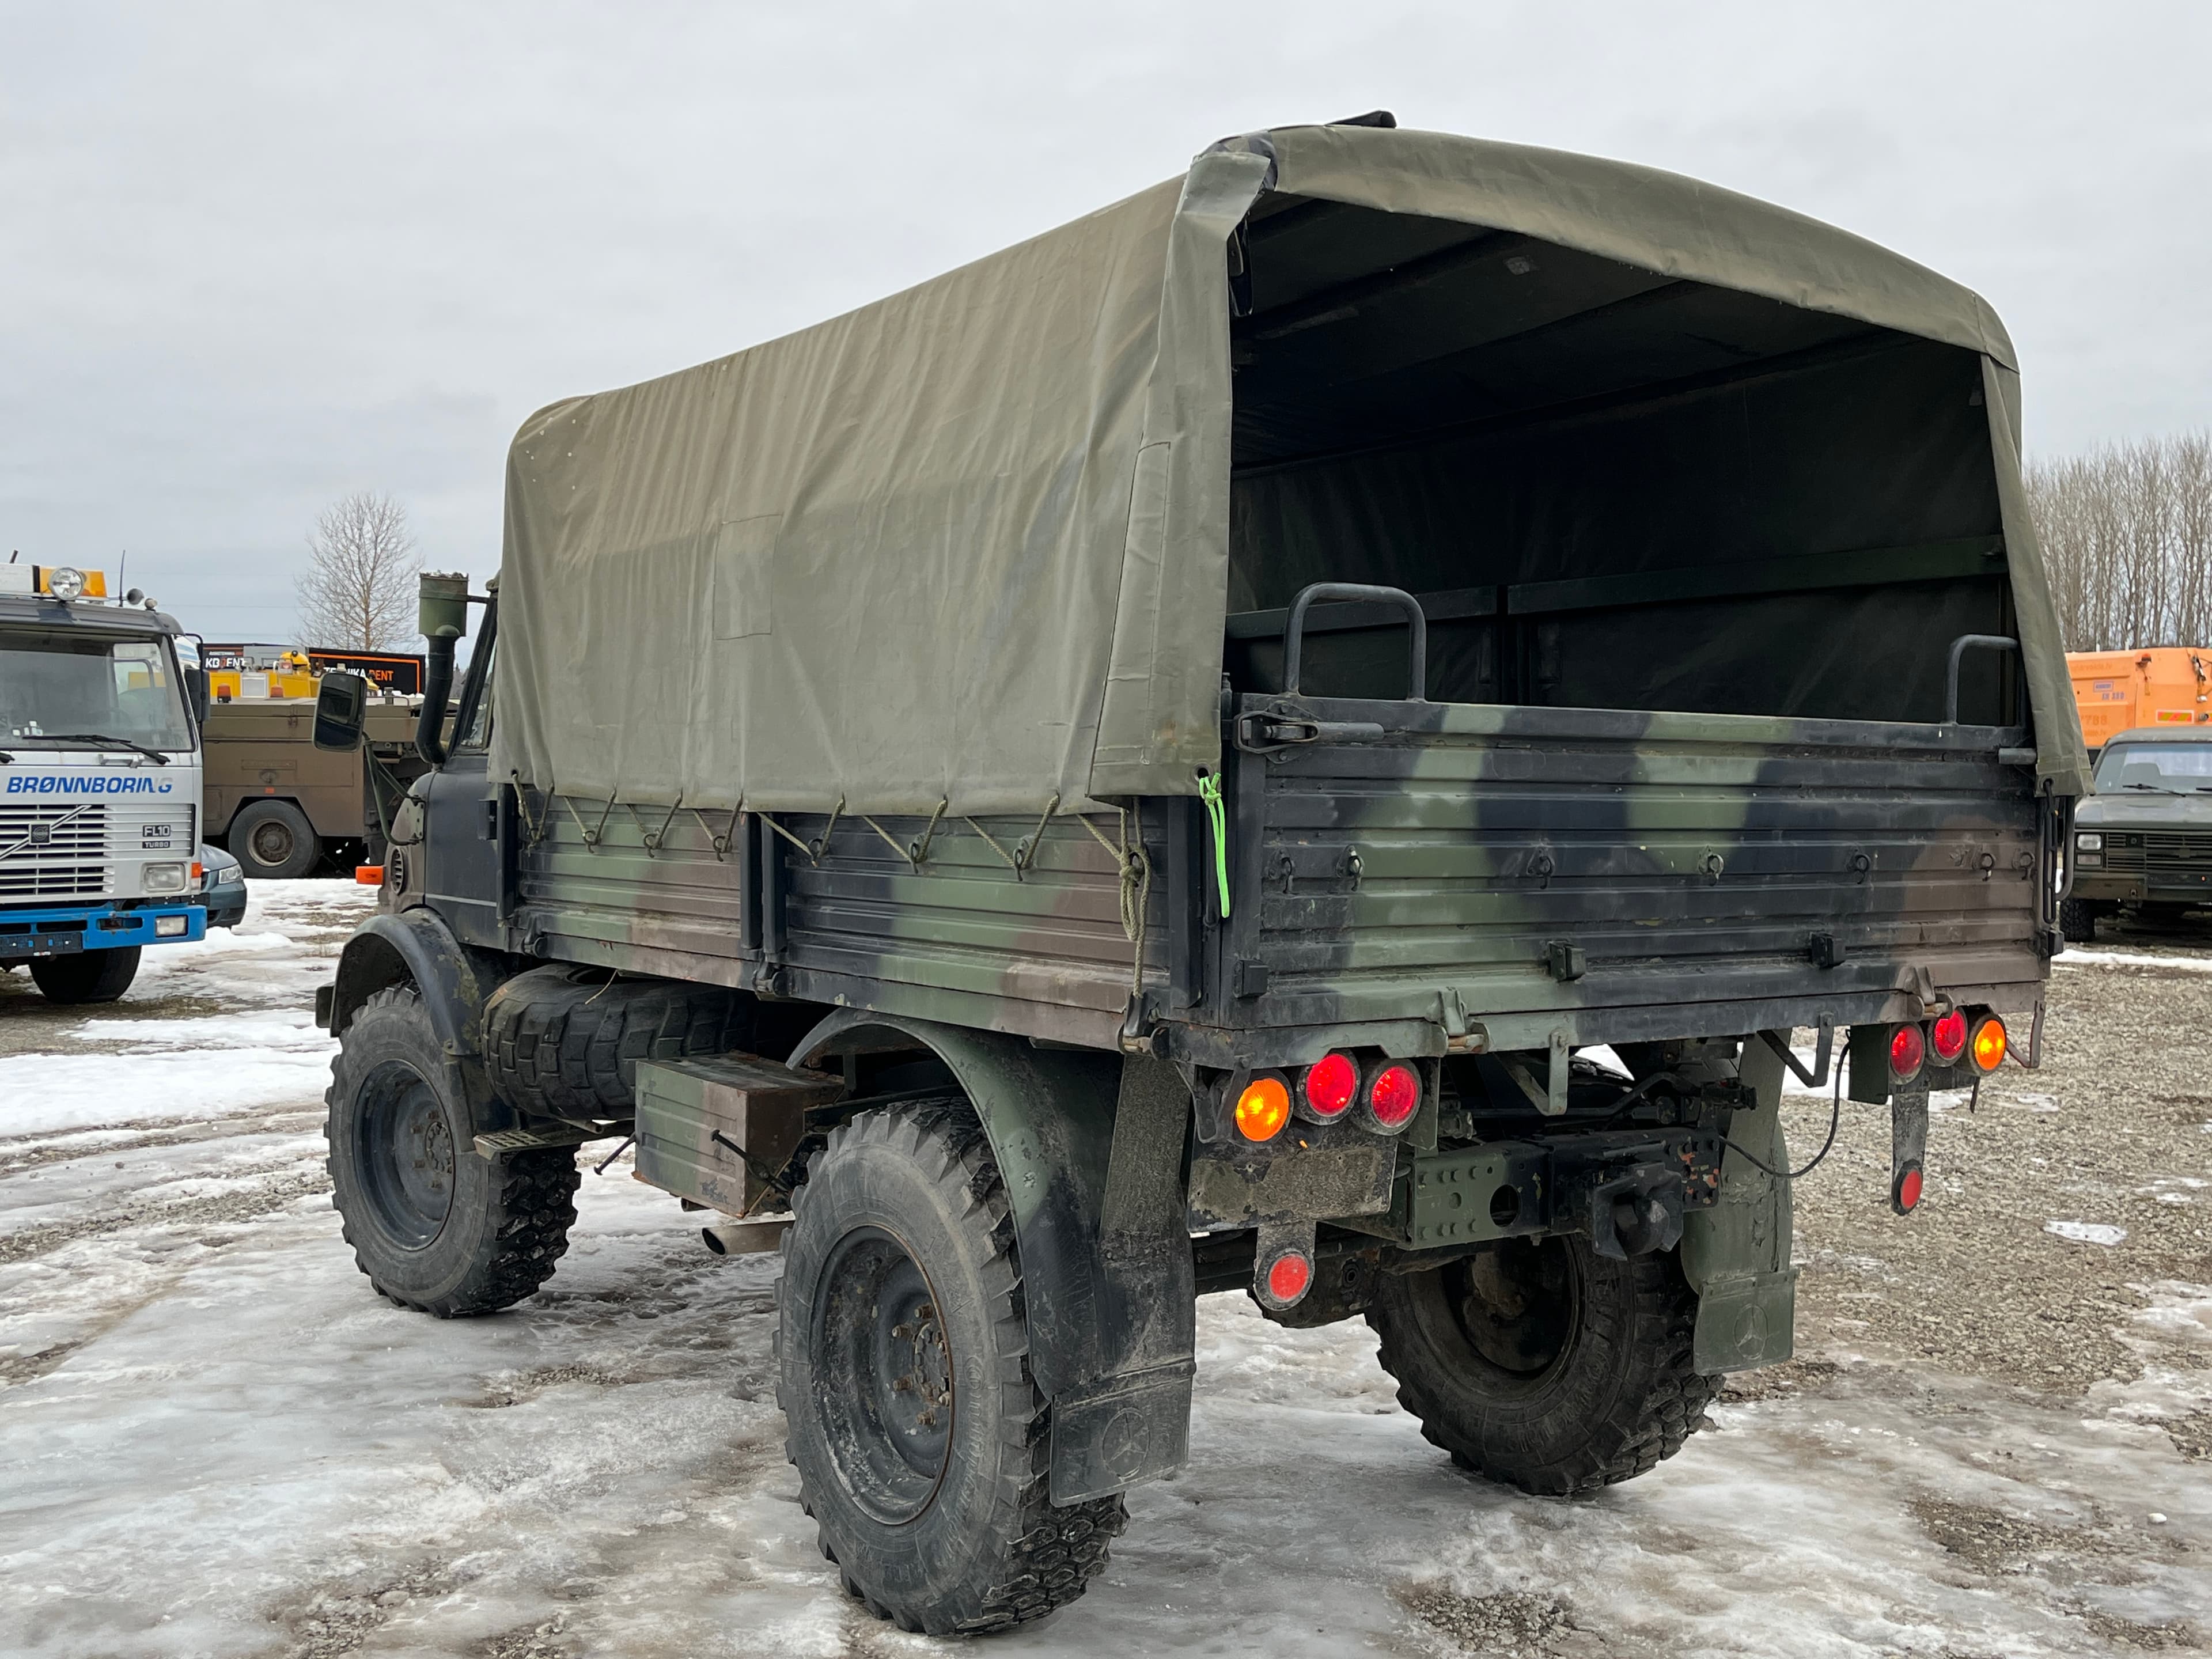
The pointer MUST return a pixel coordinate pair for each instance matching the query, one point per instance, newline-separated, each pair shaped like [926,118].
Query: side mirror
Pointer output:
[341,706]
[195,694]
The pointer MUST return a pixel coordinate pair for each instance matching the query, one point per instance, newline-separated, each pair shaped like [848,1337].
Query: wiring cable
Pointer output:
[1835,1121]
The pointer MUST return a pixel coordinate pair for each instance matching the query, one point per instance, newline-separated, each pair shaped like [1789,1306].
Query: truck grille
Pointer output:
[2177,856]
[54,852]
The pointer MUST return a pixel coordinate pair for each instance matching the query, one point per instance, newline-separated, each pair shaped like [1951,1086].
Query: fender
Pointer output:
[1090,1146]
[414,945]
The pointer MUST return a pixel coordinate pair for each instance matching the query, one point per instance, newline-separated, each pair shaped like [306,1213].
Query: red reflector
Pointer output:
[1395,1095]
[1907,1197]
[1906,1051]
[1330,1084]
[1948,1037]
[1288,1277]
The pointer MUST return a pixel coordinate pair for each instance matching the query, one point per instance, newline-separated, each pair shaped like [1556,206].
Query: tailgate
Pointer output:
[1539,860]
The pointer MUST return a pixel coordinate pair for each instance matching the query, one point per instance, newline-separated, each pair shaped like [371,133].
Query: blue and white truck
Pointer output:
[99,782]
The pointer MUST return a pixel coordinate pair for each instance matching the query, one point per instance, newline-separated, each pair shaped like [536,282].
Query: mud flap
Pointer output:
[1091,1147]
[1736,1254]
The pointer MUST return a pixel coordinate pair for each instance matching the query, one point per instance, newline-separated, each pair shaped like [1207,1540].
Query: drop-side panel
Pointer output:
[996,924]
[966,923]
[1685,859]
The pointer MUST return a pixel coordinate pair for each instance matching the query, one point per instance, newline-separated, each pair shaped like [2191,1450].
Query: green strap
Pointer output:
[1209,791]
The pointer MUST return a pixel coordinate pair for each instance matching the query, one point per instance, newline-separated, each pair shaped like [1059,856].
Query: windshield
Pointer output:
[2175,768]
[59,685]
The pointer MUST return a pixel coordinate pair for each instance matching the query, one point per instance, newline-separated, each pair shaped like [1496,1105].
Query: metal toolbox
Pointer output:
[700,1120]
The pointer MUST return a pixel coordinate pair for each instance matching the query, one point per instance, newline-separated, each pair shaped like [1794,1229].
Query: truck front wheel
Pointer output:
[273,840]
[920,1440]
[436,1226]
[94,976]
[1543,1365]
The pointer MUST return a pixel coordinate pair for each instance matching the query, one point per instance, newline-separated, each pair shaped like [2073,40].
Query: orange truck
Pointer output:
[2164,685]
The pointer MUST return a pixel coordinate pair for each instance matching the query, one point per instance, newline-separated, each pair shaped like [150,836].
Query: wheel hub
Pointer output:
[882,1375]
[406,1154]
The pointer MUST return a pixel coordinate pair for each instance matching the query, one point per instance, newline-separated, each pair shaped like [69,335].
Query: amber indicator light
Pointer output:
[1989,1044]
[1263,1106]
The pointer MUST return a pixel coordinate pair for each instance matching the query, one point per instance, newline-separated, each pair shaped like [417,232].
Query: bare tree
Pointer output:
[2127,536]
[359,590]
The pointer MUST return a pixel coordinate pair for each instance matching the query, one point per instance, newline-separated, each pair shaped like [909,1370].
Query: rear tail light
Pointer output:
[1263,1106]
[1989,1044]
[1330,1086]
[1390,1096]
[1948,1037]
[1908,1050]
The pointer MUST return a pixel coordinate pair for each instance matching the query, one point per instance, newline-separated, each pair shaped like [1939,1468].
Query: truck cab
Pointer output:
[99,782]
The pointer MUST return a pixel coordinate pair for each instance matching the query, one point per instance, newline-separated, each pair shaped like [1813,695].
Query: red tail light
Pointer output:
[1948,1037]
[1907,1051]
[1393,1095]
[1330,1086]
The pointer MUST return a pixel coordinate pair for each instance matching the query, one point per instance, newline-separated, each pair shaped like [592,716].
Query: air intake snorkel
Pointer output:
[442,614]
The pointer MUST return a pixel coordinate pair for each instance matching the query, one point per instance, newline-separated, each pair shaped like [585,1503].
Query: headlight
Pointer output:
[2090,841]
[162,878]
[171,926]
[65,584]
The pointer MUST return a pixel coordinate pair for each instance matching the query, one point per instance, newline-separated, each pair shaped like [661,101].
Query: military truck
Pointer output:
[99,782]
[1330,731]
[2143,845]
[281,807]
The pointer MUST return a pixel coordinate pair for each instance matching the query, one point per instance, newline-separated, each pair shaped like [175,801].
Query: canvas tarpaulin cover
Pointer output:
[971,543]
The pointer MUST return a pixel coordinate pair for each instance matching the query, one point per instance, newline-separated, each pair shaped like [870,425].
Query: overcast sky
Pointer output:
[255,257]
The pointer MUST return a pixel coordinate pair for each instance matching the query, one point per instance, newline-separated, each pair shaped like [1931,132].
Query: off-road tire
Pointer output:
[565,1042]
[2077,920]
[291,841]
[987,1549]
[1621,1394]
[505,1223]
[91,976]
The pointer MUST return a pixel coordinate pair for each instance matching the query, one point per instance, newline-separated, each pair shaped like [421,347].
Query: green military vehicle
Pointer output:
[281,805]
[1314,734]
[2143,844]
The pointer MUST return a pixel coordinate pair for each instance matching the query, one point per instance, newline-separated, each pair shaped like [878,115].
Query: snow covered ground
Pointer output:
[214,1440]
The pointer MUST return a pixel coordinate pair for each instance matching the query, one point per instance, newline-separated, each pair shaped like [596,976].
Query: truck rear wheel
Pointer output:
[1543,1365]
[435,1227]
[272,841]
[920,1440]
[94,976]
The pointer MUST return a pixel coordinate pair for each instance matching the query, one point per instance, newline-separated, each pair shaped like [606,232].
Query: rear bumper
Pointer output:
[68,932]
